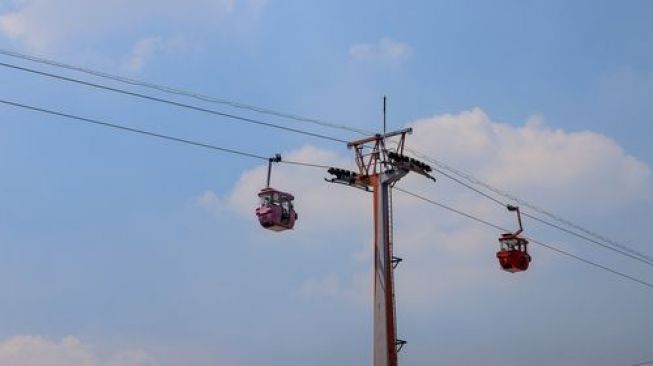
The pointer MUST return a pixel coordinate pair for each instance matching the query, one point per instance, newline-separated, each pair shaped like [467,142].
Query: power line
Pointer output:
[571,232]
[550,247]
[180,92]
[616,250]
[153,134]
[470,178]
[173,103]
[261,157]
[629,252]
[611,244]
[301,163]
[625,250]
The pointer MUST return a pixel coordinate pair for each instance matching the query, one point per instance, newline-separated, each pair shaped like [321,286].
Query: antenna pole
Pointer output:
[384,114]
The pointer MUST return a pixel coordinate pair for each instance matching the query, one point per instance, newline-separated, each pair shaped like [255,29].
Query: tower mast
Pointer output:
[378,170]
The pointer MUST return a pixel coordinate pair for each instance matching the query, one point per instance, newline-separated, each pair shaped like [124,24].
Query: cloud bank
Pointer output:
[561,171]
[148,47]
[30,350]
[47,24]
[552,166]
[385,49]
[128,34]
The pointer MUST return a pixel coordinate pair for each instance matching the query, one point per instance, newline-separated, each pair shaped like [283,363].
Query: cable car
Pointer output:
[276,210]
[513,252]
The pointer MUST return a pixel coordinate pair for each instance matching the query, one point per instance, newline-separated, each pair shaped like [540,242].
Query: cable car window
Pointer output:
[265,200]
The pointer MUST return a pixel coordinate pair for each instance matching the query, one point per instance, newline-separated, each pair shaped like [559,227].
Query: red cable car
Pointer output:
[513,253]
[276,211]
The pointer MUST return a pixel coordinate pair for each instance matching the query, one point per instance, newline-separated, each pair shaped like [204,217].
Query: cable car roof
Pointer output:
[269,190]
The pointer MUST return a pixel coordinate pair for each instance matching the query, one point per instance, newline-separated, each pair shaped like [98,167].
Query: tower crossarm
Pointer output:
[372,160]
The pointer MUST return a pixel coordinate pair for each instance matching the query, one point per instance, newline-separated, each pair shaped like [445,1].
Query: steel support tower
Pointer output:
[378,170]
[385,322]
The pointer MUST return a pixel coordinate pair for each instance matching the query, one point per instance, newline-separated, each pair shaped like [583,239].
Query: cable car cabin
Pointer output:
[276,211]
[513,254]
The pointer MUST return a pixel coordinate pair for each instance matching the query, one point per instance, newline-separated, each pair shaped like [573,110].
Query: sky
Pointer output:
[119,249]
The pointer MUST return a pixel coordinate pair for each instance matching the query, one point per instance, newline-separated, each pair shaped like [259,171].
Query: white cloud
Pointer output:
[208,200]
[553,166]
[385,49]
[37,351]
[147,47]
[314,198]
[565,172]
[211,203]
[354,289]
[47,24]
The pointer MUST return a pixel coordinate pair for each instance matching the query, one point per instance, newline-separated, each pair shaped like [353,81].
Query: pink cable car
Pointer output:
[513,253]
[276,211]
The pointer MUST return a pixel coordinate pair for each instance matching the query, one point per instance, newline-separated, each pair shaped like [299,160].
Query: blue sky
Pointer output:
[121,249]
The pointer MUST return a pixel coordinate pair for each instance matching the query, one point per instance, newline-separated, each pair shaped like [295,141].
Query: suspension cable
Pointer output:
[630,253]
[548,246]
[152,134]
[180,92]
[174,103]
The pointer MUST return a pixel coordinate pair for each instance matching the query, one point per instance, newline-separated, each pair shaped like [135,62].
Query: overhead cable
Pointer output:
[558,227]
[173,103]
[597,238]
[180,92]
[613,245]
[548,246]
[152,134]
[261,157]
[206,98]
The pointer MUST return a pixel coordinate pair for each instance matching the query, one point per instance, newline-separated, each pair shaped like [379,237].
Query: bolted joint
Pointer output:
[395,261]
[400,343]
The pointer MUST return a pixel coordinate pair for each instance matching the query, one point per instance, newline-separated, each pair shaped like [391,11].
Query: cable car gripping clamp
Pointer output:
[276,158]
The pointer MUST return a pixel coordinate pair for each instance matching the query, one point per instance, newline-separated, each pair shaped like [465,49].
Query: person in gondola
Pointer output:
[276,211]
[285,212]
[513,251]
